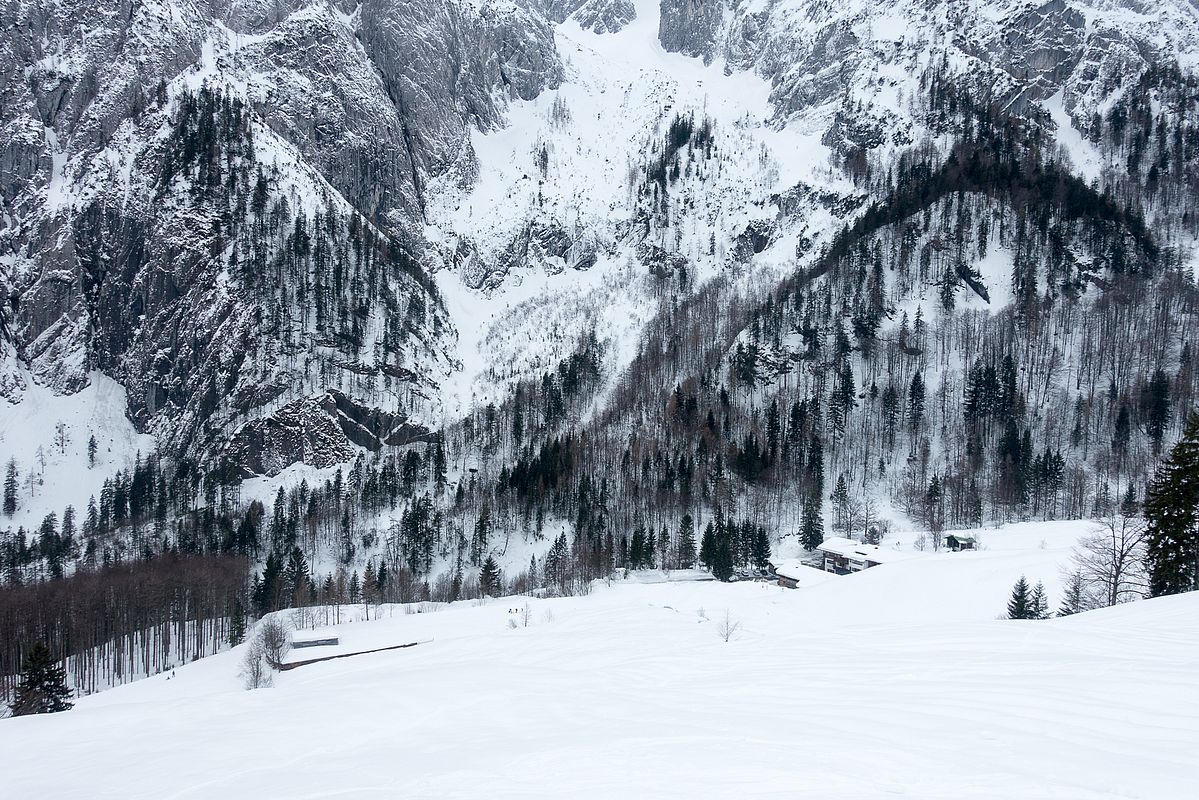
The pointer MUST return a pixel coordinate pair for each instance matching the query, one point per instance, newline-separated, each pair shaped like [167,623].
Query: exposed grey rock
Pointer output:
[370,427]
[584,254]
[756,237]
[305,431]
[827,54]
[864,130]
[605,16]
[1039,47]
[661,262]
[548,245]
[691,27]
[118,268]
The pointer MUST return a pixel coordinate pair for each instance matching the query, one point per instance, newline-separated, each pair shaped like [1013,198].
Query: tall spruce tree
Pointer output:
[43,687]
[811,532]
[489,578]
[637,549]
[237,625]
[10,488]
[1020,604]
[722,558]
[761,548]
[707,546]
[1074,598]
[295,576]
[1038,603]
[1172,513]
[686,554]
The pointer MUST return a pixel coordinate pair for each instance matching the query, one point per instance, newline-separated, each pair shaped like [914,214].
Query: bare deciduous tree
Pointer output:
[275,640]
[1111,561]
[870,519]
[727,627]
[255,672]
[123,621]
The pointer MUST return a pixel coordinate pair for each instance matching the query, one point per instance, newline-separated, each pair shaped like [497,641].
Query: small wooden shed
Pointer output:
[958,543]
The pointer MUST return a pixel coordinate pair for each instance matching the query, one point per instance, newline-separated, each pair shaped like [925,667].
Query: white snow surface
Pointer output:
[52,477]
[896,682]
[621,92]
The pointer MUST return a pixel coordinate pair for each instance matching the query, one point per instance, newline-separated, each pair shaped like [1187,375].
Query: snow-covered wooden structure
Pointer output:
[844,556]
[313,641]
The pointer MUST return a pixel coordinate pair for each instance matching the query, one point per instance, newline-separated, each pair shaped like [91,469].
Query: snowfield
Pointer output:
[53,477]
[896,682]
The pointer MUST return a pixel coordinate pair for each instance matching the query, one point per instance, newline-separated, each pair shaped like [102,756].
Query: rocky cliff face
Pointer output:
[816,53]
[691,27]
[138,213]
[226,204]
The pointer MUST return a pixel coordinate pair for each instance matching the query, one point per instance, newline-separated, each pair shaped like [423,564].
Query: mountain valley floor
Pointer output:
[901,681]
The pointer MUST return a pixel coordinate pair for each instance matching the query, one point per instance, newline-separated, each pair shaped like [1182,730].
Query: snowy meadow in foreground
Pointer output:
[896,682]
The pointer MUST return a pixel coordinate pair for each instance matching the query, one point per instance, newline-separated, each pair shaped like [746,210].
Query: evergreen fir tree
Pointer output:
[43,687]
[1020,604]
[1073,600]
[482,536]
[382,576]
[761,548]
[722,559]
[1156,405]
[840,498]
[1038,604]
[707,546]
[686,542]
[266,593]
[439,466]
[1172,513]
[10,488]
[489,578]
[295,575]
[637,549]
[916,401]
[369,586]
[811,533]
[556,565]
[237,625]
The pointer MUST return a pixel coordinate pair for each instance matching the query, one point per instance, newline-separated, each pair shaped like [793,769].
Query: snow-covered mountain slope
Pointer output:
[115,255]
[817,52]
[790,89]
[895,682]
[414,206]
[403,110]
[56,470]
[554,234]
